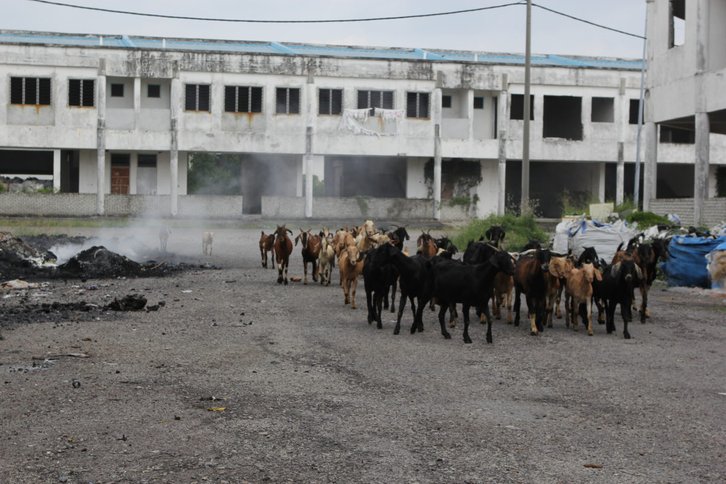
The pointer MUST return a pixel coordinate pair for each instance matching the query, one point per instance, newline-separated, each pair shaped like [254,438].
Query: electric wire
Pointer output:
[344,20]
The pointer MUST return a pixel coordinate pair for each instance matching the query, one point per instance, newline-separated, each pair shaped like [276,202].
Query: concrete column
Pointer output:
[309,132]
[470,113]
[56,171]
[601,183]
[700,175]
[437,153]
[502,131]
[703,126]
[101,139]
[175,104]
[650,175]
[133,172]
[137,101]
[622,105]
[620,175]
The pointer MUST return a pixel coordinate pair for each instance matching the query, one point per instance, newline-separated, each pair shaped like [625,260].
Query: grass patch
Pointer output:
[520,230]
[646,219]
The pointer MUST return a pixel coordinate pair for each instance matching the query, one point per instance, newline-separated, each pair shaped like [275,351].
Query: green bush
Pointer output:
[520,230]
[646,219]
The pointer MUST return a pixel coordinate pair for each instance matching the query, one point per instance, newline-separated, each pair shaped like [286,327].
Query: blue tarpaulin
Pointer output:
[686,265]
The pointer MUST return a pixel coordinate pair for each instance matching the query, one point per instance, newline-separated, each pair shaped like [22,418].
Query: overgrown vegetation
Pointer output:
[646,219]
[576,202]
[519,229]
[213,174]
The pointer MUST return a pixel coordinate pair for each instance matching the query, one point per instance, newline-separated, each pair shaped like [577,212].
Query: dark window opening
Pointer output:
[375,99]
[677,23]
[117,90]
[287,100]
[242,99]
[417,105]
[153,90]
[603,110]
[634,108]
[516,108]
[146,161]
[478,102]
[562,117]
[330,101]
[30,90]
[196,97]
[670,134]
[446,101]
[81,92]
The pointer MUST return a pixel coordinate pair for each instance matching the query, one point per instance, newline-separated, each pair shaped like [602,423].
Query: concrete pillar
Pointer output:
[309,132]
[622,108]
[700,175]
[176,103]
[56,171]
[620,175]
[601,183]
[101,139]
[502,131]
[650,174]
[137,101]
[470,113]
[133,171]
[703,126]
[437,153]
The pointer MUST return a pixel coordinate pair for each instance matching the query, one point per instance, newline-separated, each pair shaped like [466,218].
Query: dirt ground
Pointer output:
[237,379]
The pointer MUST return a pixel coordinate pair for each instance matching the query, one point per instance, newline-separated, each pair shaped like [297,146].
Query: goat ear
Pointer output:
[615,270]
[297,239]
[289,231]
[598,275]
[488,234]
[638,271]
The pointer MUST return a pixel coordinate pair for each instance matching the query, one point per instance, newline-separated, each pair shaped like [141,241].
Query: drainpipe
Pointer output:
[503,121]
[307,157]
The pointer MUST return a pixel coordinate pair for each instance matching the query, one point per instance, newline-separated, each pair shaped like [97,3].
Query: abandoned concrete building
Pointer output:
[117,122]
[686,105]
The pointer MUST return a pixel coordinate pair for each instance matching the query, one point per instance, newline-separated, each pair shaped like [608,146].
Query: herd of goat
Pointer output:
[432,276]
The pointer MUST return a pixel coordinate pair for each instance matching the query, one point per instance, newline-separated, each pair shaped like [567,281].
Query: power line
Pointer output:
[268,21]
[328,21]
[587,21]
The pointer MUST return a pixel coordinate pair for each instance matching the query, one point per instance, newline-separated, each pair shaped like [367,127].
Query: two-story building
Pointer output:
[117,122]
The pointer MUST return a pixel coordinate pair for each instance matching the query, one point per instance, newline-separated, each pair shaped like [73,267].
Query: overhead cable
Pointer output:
[331,21]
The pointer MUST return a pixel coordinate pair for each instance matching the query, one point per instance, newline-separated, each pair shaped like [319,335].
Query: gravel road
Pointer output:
[238,379]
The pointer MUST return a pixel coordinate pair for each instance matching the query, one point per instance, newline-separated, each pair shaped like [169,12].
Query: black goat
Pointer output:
[445,244]
[378,277]
[470,285]
[495,235]
[619,281]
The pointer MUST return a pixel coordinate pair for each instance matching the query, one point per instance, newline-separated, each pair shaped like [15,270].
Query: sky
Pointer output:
[501,30]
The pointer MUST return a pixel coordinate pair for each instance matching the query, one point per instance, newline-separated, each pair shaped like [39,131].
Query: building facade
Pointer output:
[117,121]
[686,101]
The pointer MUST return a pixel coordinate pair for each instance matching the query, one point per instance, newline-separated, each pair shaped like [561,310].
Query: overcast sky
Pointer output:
[493,31]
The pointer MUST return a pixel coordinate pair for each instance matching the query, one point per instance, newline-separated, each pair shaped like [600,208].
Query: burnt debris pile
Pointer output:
[20,260]
[30,259]
[98,262]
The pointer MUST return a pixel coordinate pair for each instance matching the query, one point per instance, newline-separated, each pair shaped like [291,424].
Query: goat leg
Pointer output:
[442,312]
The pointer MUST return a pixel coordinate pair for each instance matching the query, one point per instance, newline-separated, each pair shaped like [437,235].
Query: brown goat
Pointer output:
[579,291]
[350,265]
[556,280]
[283,249]
[267,244]
[426,245]
[310,251]
[503,287]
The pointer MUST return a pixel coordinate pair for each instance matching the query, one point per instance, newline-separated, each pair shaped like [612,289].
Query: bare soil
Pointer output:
[237,379]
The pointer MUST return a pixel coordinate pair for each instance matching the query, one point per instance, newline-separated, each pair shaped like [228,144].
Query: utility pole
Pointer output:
[641,102]
[524,203]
